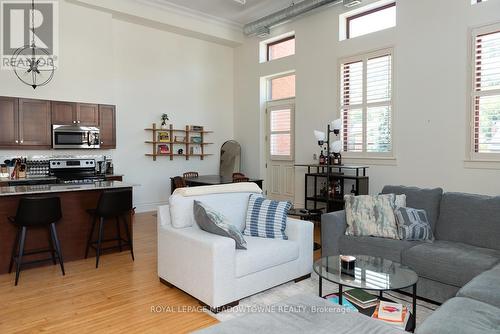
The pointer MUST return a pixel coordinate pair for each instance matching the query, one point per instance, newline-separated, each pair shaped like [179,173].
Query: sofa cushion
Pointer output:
[449,262]
[484,287]
[425,199]
[471,219]
[413,224]
[371,216]
[264,253]
[462,316]
[387,248]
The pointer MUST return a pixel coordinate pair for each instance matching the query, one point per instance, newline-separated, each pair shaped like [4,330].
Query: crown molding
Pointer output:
[192,13]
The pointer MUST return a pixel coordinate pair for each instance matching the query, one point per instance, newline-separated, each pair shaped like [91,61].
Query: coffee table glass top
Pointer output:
[370,273]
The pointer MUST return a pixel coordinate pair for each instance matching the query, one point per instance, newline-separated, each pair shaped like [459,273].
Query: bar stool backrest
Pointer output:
[38,211]
[114,203]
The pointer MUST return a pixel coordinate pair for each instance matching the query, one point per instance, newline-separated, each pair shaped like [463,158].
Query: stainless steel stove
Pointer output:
[75,171]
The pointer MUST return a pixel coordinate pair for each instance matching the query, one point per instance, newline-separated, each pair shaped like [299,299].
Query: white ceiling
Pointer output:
[231,10]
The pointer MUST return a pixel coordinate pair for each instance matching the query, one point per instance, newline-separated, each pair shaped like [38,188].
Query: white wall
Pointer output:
[145,72]
[431,63]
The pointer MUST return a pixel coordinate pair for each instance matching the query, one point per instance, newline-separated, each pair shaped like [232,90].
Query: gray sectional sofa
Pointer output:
[462,261]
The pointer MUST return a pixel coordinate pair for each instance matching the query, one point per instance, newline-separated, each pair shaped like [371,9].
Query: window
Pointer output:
[366,105]
[486,92]
[282,87]
[280,131]
[281,48]
[369,21]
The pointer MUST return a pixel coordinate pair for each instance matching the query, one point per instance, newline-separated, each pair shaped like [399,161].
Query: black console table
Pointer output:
[320,180]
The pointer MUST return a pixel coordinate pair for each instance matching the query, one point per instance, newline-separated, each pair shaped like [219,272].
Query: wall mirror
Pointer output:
[230,158]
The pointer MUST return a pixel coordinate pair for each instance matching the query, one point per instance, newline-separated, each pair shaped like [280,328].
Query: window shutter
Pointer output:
[367,104]
[486,93]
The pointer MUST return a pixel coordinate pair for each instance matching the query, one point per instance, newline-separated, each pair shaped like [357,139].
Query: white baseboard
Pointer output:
[148,207]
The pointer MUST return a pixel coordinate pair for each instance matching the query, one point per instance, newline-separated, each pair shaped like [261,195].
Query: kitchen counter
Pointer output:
[59,188]
[41,179]
[74,227]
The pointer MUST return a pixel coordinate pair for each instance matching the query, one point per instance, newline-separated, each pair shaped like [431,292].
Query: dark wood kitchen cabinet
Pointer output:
[107,125]
[70,113]
[34,123]
[24,123]
[8,120]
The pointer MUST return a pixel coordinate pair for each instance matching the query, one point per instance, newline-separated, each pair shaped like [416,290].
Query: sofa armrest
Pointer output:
[333,226]
[302,232]
[188,255]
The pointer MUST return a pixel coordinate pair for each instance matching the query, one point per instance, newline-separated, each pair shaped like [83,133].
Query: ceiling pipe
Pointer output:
[262,26]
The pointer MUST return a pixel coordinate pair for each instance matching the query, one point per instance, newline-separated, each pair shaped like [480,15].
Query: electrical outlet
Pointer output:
[315,156]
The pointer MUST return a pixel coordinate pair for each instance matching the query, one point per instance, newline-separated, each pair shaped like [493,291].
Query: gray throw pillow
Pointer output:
[214,222]
[413,224]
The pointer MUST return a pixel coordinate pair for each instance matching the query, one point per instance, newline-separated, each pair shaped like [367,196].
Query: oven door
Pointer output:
[73,137]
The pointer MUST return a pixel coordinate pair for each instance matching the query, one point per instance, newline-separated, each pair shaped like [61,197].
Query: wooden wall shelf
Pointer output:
[173,146]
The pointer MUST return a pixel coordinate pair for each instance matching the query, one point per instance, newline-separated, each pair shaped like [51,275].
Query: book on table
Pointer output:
[334,298]
[399,322]
[390,311]
[361,298]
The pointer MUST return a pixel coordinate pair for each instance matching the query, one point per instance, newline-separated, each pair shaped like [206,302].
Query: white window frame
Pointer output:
[277,76]
[472,154]
[263,47]
[282,104]
[364,105]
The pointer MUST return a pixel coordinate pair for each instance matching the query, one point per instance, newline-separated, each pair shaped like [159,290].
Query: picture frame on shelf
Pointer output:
[196,128]
[179,139]
[163,149]
[196,140]
[164,137]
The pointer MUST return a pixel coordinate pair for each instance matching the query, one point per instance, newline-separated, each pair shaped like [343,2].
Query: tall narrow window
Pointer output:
[366,105]
[486,92]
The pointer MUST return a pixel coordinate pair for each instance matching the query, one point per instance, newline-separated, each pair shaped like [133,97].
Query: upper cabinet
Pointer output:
[24,123]
[27,123]
[107,125]
[8,122]
[70,113]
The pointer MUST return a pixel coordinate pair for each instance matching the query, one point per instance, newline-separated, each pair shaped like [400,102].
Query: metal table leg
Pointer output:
[320,287]
[415,306]
[340,294]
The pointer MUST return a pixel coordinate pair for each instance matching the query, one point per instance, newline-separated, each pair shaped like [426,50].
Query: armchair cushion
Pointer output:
[263,253]
[214,222]
[266,218]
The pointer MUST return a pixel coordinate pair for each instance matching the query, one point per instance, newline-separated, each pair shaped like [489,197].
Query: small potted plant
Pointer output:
[164,119]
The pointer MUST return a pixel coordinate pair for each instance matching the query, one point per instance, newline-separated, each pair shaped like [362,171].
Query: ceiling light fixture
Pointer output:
[33,65]
[243,2]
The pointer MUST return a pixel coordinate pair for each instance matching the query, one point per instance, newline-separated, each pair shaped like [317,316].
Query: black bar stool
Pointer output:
[115,204]
[36,212]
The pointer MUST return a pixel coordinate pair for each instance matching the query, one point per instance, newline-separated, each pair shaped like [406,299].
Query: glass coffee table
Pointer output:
[372,274]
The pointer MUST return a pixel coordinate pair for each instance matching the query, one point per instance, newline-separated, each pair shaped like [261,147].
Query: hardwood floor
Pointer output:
[116,298]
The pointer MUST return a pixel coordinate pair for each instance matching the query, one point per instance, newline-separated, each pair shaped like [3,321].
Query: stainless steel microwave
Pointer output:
[79,137]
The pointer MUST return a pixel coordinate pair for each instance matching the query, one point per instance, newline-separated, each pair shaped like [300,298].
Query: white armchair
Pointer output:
[211,269]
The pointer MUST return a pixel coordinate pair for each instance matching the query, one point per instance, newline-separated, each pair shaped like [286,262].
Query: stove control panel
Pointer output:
[72,164]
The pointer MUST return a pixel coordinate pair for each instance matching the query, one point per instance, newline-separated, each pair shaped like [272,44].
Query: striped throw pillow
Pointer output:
[266,218]
[413,224]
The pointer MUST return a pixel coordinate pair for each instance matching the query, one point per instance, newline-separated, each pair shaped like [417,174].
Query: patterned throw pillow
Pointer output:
[214,222]
[413,224]
[371,216]
[266,218]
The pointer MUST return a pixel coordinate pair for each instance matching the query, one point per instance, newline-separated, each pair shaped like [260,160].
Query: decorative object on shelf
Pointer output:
[168,138]
[164,137]
[33,65]
[164,119]
[163,149]
[195,128]
[196,140]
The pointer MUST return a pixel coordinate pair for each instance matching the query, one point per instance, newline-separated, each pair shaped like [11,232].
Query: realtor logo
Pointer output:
[20,26]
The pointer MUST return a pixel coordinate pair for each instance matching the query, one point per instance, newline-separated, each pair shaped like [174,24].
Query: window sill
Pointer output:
[375,161]
[482,164]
